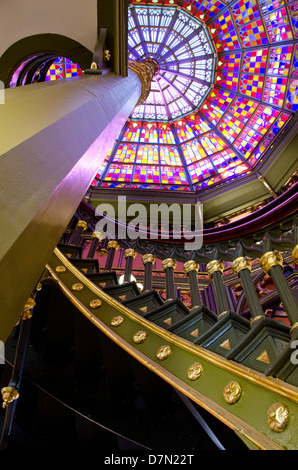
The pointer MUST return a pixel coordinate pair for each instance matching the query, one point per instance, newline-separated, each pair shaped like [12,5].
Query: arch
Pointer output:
[49,44]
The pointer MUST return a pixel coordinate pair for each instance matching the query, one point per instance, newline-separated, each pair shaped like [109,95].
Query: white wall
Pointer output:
[76,19]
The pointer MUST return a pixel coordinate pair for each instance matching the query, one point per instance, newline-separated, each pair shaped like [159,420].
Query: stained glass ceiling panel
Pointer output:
[182,47]
[226,85]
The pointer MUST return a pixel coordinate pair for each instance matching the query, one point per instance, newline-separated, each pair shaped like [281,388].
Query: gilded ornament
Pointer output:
[148,258]
[26,315]
[145,73]
[38,286]
[107,55]
[102,252]
[191,265]
[117,321]
[140,337]
[270,259]
[293,327]
[168,263]
[83,224]
[113,244]
[195,371]
[96,303]
[214,266]
[295,254]
[241,263]
[97,235]
[256,318]
[130,252]
[163,352]
[77,287]
[223,313]
[232,392]
[9,394]
[94,66]
[278,417]
[61,269]
[29,304]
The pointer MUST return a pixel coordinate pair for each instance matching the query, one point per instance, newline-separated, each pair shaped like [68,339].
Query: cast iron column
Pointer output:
[11,393]
[96,237]
[215,269]
[272,264]
[129,256]
[148,261]
[75,237]
[112,247]
[242,268]
[169,265]
[191,268]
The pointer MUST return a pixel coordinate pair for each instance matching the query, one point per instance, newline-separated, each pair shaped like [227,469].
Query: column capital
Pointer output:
[130,252]
[168,263]
[97,235]
[113,244]
[148,258]
[145,73]
[270,259]
[241,263]
[295,254]
[214,266]
[191,265]
[83,224]
[9,394]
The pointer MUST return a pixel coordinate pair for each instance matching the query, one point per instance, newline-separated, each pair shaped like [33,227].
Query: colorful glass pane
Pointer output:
[193,151]
[255,61]
[147,154]
[274,90]
[278,26]
[169,156]
[292,95]
[146,174]
[247,141]
[132,132]
[245,11]
[119,173]
[293,10]
[279,60]
[63,68]
[251,85]
[228,164]
[242,108]
[149,133]
[230,127]
[170,175]
[212,143]
[166,135]
[201,170]
[253,34]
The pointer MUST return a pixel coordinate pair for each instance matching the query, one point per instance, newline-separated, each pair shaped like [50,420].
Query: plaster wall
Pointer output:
[76,19]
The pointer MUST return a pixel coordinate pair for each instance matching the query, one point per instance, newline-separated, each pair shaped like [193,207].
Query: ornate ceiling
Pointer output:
[225,86]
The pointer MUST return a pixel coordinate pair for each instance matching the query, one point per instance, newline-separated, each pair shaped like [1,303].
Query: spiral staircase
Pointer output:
[98,361]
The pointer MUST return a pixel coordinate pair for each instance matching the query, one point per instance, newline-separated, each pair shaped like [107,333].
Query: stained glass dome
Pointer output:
[226,84]
[185,59]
